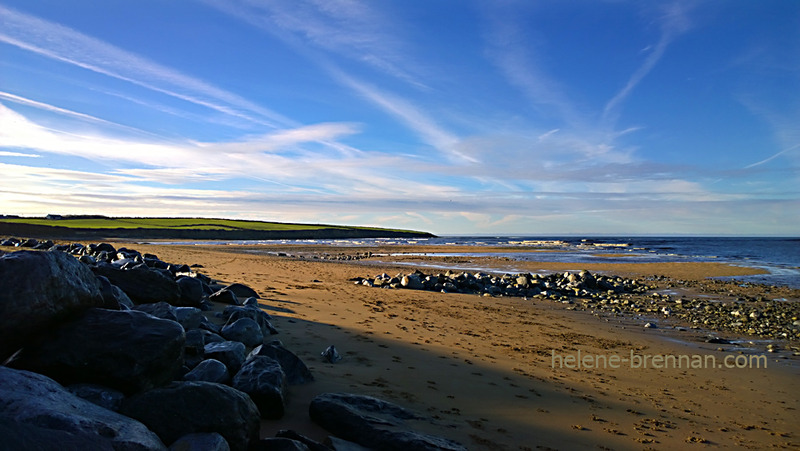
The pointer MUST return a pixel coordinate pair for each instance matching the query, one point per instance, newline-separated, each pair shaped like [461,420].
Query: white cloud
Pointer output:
[72,47]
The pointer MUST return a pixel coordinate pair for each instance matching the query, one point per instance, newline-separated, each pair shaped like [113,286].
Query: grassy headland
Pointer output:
[94,226]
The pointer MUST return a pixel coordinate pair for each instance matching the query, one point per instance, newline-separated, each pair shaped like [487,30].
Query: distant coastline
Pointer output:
[225,230]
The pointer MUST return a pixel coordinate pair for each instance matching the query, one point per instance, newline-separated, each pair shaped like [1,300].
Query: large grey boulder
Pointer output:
[38,413]
[142,284]
[190,407]
[263,379]
[373,423]
[245,330]
[38,290]
[296,371]
[161,310]
[123,349]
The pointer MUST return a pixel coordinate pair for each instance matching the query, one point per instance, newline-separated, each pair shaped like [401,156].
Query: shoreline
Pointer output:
[480,366]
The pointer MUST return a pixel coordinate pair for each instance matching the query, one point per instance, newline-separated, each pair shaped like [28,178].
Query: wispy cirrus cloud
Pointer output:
[64,44]
[353,29]
[674,21]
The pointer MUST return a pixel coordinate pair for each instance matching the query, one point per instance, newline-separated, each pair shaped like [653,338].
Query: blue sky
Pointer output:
[455,117]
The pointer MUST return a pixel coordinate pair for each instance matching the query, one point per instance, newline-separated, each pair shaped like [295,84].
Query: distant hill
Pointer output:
[69,227]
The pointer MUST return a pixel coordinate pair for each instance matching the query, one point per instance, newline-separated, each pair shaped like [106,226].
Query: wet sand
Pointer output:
[483,367]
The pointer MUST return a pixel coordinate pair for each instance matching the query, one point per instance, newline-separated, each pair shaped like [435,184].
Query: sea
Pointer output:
[778,256]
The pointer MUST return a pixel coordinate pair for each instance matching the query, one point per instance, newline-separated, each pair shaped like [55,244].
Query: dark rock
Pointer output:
[194,347]
[212,441]
[30,242]
[278,444]
[244,330]
[311,444]
[717,340]
[225,296]
[189,317]
[183,408]
[234,313]
[263,379]
[141,284]
[231,353]
[251,302]
[159,310]
[37,413]
[191,291]
[296,371]
[127,350]
[105,397]
[38,290]
[337,444]
[113,295]
[96,248]
[331,355]
[209,370]
[210,337]
[373,423]
[242,291]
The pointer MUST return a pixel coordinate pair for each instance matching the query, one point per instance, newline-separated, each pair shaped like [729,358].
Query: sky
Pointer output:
[549,117]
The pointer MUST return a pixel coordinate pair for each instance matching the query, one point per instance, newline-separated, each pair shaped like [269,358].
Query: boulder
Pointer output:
[245,330]
[209,370]
[105,397]
[189,317]
[38,290]
[234,313]
[242,291]
[38,413]
[373,423]
[161,310]
[212,441]
[191,291]
[141,284]
[278,444]
[183,408]
[225,296]
[113,295]
[231,353]
[123,349]
[262,378]
[311,444]
[296,371]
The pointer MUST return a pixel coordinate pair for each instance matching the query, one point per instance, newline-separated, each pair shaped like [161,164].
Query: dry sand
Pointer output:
[482,367]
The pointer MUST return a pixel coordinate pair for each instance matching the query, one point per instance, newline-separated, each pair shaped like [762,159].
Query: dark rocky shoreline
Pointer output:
[106,348]
[759,316]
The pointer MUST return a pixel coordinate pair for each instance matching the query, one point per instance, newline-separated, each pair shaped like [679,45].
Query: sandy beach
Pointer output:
[490,372]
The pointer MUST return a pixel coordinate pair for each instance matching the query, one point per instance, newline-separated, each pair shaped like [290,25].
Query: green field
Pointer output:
[178,223]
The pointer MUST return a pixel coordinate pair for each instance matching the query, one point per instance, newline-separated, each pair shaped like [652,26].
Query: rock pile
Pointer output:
[552,286]
[613,295]
[105,348]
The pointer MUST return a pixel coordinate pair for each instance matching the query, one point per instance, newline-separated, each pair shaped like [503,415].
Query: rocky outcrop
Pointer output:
[373,423]
[40,290]
[38,413]
[183,408]
[126,350]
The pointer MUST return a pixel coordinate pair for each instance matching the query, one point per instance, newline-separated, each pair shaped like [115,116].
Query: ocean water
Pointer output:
[780,257]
